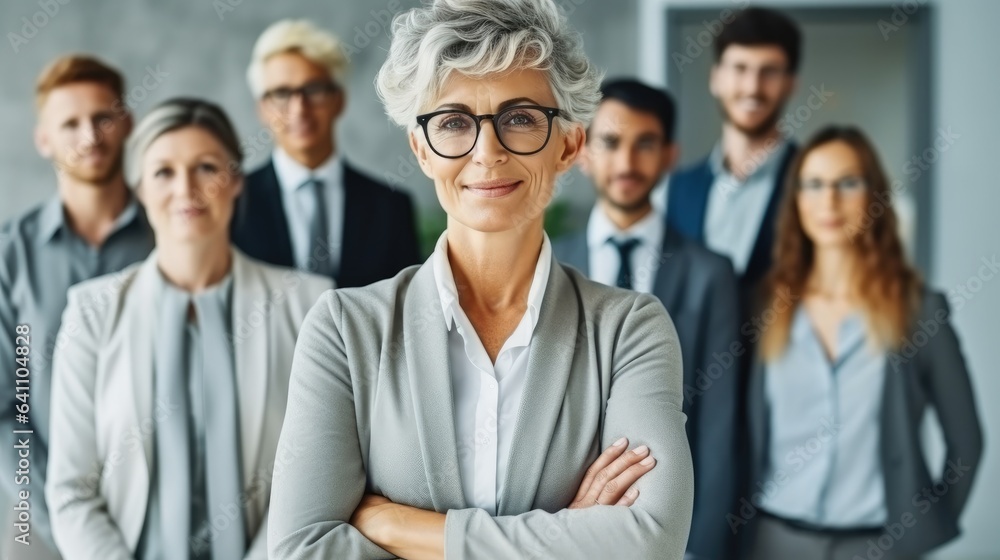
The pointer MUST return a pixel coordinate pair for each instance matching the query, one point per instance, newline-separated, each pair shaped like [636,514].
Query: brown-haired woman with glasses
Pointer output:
[848,369]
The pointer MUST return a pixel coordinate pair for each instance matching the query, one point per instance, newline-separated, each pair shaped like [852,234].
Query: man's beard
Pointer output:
[95,177]
[640,204]
[763,129]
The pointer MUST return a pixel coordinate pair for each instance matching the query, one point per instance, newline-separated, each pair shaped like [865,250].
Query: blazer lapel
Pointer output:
[669,282]
[141,349]
[138,326]
[426,349]
[697,201]
[553,345]
[758,418]
[760,254]
[250,357]
[267,222]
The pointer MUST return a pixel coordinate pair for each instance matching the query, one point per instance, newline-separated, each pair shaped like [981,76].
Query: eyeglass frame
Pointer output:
[550,113]
[328,88]
[836,185]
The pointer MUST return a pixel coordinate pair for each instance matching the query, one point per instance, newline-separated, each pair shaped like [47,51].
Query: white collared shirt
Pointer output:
[736,208]
[486,396]
[605,259]
[292,176]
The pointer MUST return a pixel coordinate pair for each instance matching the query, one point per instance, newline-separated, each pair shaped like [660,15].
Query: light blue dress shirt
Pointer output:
[736,208]
[300,210]
[824,465]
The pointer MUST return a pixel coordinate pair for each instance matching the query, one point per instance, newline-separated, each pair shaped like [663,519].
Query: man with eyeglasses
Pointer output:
[306,207]
[728,200]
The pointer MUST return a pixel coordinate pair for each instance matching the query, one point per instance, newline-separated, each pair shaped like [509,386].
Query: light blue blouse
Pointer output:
[824,465]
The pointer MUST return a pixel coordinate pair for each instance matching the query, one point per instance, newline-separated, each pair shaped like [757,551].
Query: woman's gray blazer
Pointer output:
[370,410]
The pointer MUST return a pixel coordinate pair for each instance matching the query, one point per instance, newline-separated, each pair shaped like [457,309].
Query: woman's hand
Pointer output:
[610,480]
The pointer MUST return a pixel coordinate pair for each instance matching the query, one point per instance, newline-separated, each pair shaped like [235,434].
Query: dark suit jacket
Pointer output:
[928,370]
[688,203]
[699,290]
[380,236]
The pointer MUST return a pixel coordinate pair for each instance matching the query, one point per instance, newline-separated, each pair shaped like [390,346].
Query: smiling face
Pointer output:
[187,188]
[832,197]
[491,189]
[302,125]
[626,155]
[82,129]
[752,85]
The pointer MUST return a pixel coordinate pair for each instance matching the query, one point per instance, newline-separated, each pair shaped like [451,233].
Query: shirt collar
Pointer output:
[648,230]
[53,219]
[850,333]
[448,291]
[716,160]
[292,174]
[219,292]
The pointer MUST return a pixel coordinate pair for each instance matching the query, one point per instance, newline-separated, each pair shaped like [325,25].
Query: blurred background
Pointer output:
[913,74]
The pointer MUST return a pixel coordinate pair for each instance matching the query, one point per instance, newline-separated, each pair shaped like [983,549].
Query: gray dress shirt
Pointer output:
[40,258]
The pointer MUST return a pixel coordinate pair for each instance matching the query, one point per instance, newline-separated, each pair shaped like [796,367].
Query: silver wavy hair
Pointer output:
[479,38]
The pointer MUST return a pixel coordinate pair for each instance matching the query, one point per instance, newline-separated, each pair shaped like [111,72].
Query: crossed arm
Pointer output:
[418,534]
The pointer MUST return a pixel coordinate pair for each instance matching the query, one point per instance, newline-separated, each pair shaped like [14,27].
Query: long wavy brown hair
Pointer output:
[886,285]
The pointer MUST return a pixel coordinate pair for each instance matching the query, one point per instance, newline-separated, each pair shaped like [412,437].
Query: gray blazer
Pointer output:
[928,370]
[103,406]
[699,290]
[370,409]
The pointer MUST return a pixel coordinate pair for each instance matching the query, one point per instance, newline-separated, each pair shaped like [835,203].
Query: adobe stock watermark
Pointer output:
[795,461]
[901,12]
[913,169]
[259,487]
[923,502]
[753,329]
[791,121]
[378,24]
[958,297]
[695,45]
[121,109]
[32,25]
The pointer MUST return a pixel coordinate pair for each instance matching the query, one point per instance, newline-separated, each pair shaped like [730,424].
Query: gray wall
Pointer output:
[966,205]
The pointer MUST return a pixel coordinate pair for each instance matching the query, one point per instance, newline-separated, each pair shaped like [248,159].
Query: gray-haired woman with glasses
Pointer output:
[489,403]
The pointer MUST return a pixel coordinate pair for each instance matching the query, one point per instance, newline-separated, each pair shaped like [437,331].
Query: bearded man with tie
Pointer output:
[627,243]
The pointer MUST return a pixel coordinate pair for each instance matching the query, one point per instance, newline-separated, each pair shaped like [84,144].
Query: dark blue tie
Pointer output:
[625,248]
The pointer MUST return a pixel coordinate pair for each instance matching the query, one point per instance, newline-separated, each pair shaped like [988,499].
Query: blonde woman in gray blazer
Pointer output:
[489,403]
[170,377]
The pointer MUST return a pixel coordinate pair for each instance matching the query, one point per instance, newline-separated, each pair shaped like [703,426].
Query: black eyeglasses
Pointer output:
[312,93]
[521,129]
